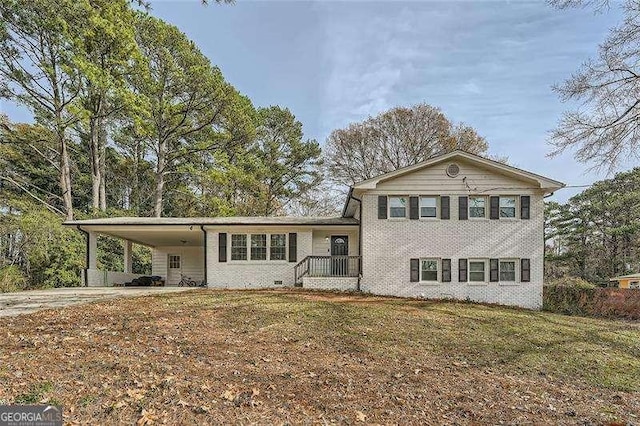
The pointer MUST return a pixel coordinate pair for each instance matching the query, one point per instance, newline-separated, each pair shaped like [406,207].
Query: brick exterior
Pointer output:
[389,244]
[336,283]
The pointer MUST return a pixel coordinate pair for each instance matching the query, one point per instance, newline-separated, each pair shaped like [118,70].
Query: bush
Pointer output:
[575,282]
[594,302]
[11,279]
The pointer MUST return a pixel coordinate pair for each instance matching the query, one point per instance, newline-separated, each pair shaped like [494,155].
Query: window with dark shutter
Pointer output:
[525,270]
[444,207]
[463,208]
[415,270]
[494,207]
[414,208]
[525,202]
[382,207]
[293,247]
[222,247]
[493,270]
[462,270]
[446,270]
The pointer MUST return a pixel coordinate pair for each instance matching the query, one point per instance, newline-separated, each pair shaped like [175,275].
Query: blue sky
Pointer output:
[489,64]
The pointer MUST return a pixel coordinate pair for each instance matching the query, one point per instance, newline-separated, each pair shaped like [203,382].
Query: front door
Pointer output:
[340,249]
[174,270]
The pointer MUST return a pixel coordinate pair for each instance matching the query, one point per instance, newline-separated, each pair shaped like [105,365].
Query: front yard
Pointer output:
[297,357]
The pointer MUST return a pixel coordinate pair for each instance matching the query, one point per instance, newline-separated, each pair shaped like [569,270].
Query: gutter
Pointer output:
[86,256]
[204,231]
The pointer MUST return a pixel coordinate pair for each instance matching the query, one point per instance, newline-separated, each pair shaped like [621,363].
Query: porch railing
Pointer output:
[327,266]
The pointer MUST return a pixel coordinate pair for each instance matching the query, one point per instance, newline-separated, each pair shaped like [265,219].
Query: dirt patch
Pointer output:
[215,357]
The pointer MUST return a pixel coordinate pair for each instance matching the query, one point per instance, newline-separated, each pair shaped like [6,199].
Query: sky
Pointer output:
[489,64]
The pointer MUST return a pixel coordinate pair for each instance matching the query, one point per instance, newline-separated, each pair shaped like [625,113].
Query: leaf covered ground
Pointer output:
[288,356]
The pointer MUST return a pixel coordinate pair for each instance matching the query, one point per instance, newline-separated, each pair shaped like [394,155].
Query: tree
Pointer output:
[191,108]
[396,138]
[605,127]
[37,40]
[596,234]
[290,164]
[105,55]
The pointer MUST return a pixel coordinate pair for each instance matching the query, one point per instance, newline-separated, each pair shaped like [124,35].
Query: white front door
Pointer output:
[174,271]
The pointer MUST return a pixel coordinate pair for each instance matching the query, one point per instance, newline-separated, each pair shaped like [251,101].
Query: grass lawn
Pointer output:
[306,357]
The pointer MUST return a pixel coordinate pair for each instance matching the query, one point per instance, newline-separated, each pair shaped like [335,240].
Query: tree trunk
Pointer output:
[65,176]
[160,167]
[102,138]
[94,151]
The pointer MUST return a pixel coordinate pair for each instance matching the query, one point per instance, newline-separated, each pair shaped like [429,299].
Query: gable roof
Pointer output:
[544,182]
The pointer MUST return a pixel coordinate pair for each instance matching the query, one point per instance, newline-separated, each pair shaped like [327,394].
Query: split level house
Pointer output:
[455,226]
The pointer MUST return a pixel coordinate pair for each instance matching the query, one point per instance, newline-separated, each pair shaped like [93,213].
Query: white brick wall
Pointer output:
[335,283]
[252,274]
[389,244]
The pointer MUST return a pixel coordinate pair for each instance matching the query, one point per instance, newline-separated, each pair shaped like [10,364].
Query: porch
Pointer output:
[317,271]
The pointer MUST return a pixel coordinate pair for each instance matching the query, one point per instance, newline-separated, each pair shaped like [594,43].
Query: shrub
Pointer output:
[596,302]
[11,279]
[575,282]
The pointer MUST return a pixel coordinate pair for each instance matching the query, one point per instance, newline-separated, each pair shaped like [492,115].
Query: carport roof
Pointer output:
[230,221]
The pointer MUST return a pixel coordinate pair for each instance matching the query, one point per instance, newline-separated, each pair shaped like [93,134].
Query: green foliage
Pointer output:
[11,279]
[596,234]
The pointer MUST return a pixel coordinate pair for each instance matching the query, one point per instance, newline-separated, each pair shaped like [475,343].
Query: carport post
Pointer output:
[128,256]
[92,256]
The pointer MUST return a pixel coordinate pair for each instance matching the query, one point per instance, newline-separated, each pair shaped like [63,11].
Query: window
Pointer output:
[476,270]
[507,206]
[174,261]
[238,247]
[428,207]
[278,249]
[507,270]
[258,247]
[397,206]
[429,270]
[477,206]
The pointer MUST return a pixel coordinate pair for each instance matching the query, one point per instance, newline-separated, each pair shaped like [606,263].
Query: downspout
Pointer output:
[86,256]
[359,233]
[204,231]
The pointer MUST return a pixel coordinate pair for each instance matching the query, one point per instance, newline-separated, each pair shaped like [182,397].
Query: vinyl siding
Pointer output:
[192,261]
[434,181]
[322,246]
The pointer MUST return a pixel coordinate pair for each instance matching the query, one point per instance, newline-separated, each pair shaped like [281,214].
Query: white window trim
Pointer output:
[267,261]
[517,207]
[516,280]
[486,271]
[230,248]
[438,271]
[486,207]
[406,207]
[438,211]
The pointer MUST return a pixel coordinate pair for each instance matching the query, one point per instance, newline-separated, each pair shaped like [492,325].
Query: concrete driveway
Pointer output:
[26,302]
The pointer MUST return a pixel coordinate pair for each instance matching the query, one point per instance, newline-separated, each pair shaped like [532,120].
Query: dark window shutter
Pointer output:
[415,270]
[382,206]
[493,270]
[525,202]
[463,208]
[444,207]
[494,207]
[446,270]
[414,208]
[462,270]
[222,247]
[293,247]
[525,270]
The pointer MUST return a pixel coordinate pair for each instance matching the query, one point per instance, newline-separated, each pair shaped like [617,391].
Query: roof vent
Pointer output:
[453,170]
